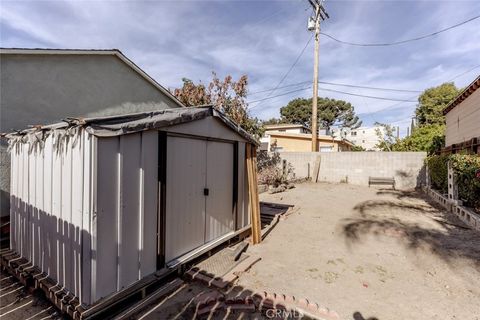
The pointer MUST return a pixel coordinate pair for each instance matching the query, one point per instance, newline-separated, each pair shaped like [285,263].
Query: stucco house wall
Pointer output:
[304,143]
[463,121]
[45,86]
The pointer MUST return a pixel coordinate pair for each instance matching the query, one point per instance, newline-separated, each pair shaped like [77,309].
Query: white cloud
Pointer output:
[171,40]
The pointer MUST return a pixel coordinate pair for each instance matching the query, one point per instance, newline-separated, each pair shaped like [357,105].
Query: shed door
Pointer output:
[185,202]
[219,202]
[199,195]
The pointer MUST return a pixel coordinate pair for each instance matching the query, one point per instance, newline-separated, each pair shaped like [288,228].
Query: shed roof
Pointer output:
[105,52]
[471,88]
[129,123]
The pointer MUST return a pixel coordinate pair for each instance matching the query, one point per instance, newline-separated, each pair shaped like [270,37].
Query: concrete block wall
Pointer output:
[407,168]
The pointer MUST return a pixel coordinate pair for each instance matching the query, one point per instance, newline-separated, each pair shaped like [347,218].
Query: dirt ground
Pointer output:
[370,254]
[365,253]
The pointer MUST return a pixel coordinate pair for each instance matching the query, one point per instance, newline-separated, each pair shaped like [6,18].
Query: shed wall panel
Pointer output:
[66,237]
[26,248]
[128,243]
[76,223]
[40,207]
[14,200]
[106,219]
[149,172]
[49,224]
[242,202]
[57,272]
[89,188]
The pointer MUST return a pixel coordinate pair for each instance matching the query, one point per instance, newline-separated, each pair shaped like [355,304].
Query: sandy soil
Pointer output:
[364,253]
[370,254]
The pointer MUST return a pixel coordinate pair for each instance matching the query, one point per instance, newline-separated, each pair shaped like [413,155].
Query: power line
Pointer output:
[461,74]
[326,89]
[340,85]
[365,96]
[366,87]
[275,96]
[290,69]
[399,42]
[396,104]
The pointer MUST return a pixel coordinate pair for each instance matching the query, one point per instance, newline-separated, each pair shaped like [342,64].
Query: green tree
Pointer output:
[227,95]
[358,148]
[386,136]
[432,102]
[330,112]
[429,135]
[272,121]
[427,138]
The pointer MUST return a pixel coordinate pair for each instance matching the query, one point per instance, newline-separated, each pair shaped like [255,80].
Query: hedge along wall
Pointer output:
[467,175]
[466,169]
[438,172]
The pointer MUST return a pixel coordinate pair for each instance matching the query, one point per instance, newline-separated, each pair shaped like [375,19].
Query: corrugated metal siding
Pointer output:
[47,193]
[243,218]
[123,211]
[85,210]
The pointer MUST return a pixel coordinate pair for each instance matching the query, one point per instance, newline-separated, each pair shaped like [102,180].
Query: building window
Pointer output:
[353,133]
[281,130]
[363,141]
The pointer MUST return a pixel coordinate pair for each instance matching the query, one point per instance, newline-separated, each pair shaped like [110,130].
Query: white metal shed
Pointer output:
[98,204]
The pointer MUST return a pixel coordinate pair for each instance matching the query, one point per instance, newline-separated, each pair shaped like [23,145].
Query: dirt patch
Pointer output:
[370,253]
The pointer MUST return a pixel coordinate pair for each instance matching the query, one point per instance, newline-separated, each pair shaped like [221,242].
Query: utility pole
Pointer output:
[320,14]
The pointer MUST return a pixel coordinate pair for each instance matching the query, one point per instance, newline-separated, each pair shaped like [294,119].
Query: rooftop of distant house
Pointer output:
[285,126]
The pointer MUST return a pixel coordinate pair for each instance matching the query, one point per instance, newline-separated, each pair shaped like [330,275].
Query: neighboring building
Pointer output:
[40,86]
[283,127]
[290,128]
[302,142]
[462,117]
[365,137]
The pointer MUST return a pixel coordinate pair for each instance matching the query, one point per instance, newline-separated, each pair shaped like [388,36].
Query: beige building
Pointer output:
[302,142]
[463,116]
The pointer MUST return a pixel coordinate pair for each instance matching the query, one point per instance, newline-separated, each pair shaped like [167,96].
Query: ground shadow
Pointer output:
[417,224]
[358,316]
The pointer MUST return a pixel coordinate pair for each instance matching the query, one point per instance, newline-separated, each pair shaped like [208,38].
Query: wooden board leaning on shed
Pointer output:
[254,204]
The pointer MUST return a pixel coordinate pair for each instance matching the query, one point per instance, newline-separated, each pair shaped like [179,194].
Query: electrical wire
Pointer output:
[331,90]
[398,42]
[340,85]
[365,96]
[289,70]
[396,104]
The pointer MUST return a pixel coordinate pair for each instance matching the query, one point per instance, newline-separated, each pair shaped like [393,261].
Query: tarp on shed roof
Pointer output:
[130,123]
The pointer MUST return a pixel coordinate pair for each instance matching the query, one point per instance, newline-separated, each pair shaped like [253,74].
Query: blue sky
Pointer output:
[175,39]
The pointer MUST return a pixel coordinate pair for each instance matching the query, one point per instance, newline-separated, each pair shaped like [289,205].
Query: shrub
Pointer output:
[270,170]
[438,172]
[467,175]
